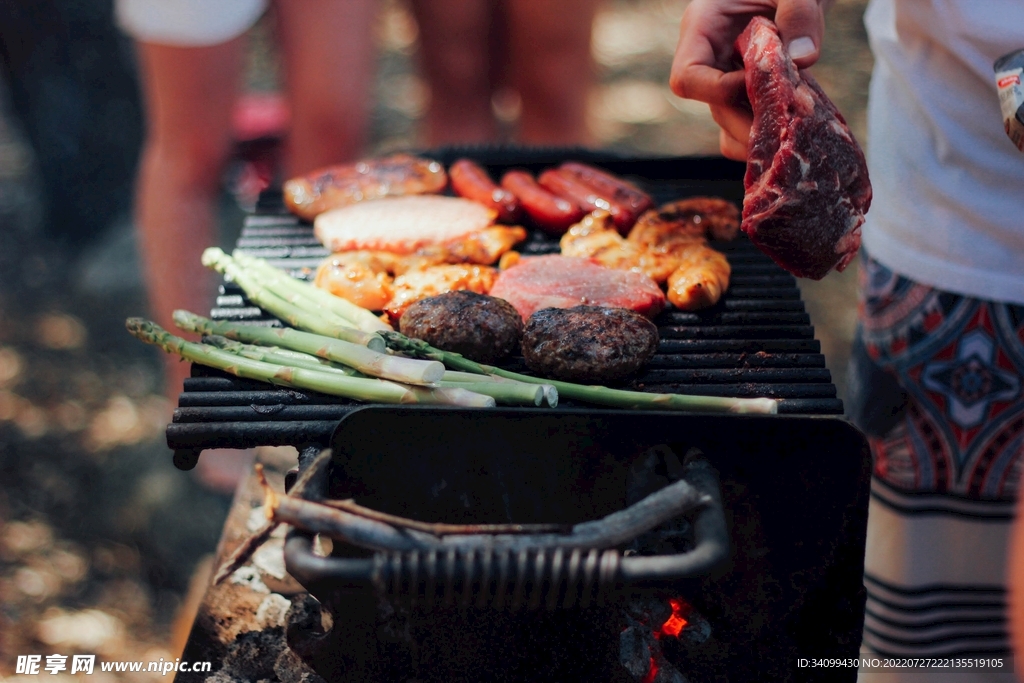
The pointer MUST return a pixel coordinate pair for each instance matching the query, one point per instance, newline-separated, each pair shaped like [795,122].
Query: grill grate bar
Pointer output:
[745,390]
[741,279]
[282,252]
[738,360]
[272,218]
[755,304]
[734,318]
[272,241]
[734,375]
[755,292]
[266,397]
[251,414]
[199,435]
[668,346]
[736,332]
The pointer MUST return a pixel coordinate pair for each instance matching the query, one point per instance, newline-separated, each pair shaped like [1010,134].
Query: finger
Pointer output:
[731,148]
[708,84]
[698,67]
[735,122]
[802,26]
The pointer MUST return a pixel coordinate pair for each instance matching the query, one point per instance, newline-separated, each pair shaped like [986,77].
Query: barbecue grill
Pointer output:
[784,582]
[758,340]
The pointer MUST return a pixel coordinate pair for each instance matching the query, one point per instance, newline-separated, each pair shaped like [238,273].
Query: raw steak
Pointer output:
[562,282]
[807,187]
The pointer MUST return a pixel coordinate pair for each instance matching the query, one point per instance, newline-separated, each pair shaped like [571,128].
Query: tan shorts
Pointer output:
[187,23]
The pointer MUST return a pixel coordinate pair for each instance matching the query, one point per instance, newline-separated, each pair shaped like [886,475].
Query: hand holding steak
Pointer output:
[807,187]
[705,66]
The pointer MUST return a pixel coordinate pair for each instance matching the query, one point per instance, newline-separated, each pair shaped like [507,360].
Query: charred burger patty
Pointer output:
[481,328]
[589,344]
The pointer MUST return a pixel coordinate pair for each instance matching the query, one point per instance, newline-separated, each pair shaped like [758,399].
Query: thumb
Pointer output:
[802,26]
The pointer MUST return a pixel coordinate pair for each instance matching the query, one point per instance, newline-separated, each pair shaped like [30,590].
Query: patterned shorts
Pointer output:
[947,370]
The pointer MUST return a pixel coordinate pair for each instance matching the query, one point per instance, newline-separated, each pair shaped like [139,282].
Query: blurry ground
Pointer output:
[99,534]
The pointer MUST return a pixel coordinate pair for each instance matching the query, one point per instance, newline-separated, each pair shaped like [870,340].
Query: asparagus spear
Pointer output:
[364,360]
[280,282]
[306,316]
[504,391]
[591,394]
[279,356]
[336,384]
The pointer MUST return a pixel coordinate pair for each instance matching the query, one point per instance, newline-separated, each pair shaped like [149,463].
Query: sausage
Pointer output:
[614,189]
[551,213]
[471,181]
[566,185]
[309,195]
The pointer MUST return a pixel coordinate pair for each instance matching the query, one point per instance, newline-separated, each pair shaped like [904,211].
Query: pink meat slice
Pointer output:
[807,186]
[563,282]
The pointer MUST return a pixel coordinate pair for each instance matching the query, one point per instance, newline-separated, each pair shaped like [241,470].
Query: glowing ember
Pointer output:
[675,624]
[652,672]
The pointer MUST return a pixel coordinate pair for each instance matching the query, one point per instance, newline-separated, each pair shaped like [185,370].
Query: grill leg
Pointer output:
[186,458]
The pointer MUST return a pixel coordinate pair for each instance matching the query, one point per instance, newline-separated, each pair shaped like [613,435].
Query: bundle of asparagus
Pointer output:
[326,380]
[342,353]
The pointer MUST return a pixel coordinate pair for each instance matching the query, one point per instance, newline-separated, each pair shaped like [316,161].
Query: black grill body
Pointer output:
[794,490]
[794,487]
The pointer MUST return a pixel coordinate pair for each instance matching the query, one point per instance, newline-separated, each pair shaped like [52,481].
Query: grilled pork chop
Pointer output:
[807,187]
[401,224]
[563,282]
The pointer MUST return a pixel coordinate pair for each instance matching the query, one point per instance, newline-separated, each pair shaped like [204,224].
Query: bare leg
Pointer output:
[551,67]
[329,58]
[454,54]
[189,93]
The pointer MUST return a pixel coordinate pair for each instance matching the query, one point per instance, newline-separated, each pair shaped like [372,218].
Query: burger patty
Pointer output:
[480,327]
[590,344]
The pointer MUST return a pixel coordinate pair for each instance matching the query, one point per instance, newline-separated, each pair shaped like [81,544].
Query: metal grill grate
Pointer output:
[758,341]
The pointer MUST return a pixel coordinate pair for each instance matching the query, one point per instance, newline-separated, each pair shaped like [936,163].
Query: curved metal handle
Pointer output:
[307,567]
[710,532]
[499,577]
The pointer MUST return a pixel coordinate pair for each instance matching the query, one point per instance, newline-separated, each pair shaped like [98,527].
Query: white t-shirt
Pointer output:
[187,23]
[948,207]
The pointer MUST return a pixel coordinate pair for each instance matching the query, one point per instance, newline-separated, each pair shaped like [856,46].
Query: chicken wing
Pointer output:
[596,237]
[700,279]
[414,285]
[362,277]
[685,220]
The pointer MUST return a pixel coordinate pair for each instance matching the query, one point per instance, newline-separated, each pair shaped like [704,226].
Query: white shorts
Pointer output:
[187,23]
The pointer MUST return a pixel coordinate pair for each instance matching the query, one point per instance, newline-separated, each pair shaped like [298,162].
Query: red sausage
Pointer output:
[630,197]
[551,213]
[471,181]
[564,184]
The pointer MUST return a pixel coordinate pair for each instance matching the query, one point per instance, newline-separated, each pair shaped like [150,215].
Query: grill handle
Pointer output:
[555,576]
[710,533]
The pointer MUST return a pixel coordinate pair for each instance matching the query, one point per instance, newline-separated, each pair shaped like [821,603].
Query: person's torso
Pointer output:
[949,184]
